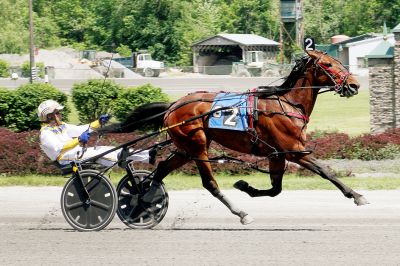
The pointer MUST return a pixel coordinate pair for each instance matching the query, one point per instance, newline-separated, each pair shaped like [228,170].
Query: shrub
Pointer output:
[5,100]
[135,96]
[4,69]
[94,98]
[22,111]
[21,154]
[26,69]
[381,146]
[328,145]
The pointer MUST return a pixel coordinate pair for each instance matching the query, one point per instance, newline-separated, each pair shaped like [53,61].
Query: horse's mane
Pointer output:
[297,70]
[290,80]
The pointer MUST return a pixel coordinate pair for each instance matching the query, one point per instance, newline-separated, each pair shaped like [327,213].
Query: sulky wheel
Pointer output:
[91,213]
[132,210]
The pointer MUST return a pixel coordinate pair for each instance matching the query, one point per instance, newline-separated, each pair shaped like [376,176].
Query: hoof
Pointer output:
[246,219]
[241,185]
[361,201]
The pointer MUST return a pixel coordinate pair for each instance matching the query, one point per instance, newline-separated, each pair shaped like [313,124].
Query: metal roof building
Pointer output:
[223,49]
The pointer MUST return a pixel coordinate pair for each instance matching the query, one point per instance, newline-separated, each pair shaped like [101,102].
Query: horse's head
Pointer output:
[331,72]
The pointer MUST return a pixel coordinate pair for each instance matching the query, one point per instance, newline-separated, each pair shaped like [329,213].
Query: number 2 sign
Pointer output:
[309,44]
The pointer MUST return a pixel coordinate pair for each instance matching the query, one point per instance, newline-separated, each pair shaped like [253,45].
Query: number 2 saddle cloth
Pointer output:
[232,111]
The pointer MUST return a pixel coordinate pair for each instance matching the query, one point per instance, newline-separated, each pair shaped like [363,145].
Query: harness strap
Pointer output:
[300,116]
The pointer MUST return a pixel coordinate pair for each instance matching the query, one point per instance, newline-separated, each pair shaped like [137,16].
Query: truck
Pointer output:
[142,63]
[255,64]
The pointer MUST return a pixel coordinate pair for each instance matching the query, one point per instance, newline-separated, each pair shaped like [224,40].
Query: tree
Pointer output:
[13,26]
[149,25]
[321,20]
[250,16]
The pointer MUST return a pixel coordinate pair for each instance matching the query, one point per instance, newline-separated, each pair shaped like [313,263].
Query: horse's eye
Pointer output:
[328,64]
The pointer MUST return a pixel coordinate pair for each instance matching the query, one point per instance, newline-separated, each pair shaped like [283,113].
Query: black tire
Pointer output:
[244,74]
[148,72]
[132,211]
[93,214]
[156,72]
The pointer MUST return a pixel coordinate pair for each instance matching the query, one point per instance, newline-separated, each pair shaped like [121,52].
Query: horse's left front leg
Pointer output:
[312,164]
[276,169]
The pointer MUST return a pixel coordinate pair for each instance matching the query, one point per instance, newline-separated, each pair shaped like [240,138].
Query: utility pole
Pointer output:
[31,43]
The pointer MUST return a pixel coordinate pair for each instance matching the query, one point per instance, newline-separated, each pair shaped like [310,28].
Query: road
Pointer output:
[294,228]
[178,85]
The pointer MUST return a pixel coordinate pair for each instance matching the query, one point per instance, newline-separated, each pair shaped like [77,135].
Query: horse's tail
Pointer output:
[147,115]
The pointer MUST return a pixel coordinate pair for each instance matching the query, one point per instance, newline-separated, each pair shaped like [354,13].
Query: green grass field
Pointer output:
[347,115]
[258,180]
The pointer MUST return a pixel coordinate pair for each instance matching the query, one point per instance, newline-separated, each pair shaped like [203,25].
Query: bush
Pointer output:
[94,98]
[136,96]
[327,145]
[21,154]
[366,147]
[4,69]
[5,100]
[23,104]
[26,69]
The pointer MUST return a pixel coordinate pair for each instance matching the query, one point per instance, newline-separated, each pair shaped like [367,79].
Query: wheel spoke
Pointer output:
[100,205]
[74,205]
[92,184]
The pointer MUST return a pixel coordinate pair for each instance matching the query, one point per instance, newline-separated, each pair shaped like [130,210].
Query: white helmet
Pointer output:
[48,107]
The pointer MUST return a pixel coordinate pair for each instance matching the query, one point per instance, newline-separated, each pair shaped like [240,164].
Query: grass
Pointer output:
[337,114]
[258,180]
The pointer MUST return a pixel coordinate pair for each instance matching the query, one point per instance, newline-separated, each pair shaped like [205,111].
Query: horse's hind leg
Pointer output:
[211,185]
[312,164]
[276,169]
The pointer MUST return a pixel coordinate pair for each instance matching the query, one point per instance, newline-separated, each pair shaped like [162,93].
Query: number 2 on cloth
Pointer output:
[231,120]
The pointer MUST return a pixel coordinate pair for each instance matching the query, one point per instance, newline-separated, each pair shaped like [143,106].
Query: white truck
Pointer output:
[143,64]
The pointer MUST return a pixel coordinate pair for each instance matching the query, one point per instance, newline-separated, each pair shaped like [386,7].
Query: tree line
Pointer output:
[167,28]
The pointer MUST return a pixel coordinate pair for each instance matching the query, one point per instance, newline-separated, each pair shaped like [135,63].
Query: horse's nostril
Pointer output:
[354,86]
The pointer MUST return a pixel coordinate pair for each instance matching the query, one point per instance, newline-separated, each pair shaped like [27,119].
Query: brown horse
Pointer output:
[279,133]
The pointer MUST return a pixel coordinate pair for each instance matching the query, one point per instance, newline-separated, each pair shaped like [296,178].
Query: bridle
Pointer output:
[341,86]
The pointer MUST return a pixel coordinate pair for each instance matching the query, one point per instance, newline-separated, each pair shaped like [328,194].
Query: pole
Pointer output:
[31,43]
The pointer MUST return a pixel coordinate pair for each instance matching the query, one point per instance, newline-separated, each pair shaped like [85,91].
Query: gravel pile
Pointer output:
[65,63]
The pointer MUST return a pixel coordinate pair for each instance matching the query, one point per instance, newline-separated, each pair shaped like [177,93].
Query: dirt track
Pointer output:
[295,228]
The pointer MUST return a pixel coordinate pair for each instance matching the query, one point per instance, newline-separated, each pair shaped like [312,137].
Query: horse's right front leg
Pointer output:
[312,164]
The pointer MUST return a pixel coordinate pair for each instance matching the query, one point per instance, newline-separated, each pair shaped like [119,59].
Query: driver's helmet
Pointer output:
[48,107]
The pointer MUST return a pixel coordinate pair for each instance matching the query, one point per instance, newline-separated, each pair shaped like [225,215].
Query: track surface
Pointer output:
[294,228]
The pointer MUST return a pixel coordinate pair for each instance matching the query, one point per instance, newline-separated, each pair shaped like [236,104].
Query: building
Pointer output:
[216,54]
[352,52]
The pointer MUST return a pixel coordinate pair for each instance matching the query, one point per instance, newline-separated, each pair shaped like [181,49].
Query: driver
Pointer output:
[60,141]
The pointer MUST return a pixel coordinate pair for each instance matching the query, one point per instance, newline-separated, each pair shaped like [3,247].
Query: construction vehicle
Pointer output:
[255,64]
